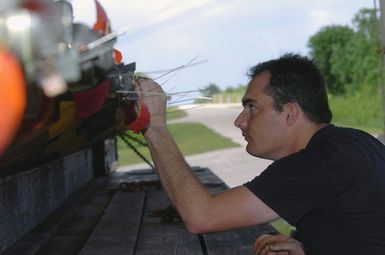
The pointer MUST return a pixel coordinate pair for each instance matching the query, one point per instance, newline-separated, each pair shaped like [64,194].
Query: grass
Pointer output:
[360,110]
[173,113]
[192,138]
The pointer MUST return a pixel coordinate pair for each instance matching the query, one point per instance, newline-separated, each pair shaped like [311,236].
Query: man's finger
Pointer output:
[265,251]
[291,246]
[283,246]
[280,253]
[261,243]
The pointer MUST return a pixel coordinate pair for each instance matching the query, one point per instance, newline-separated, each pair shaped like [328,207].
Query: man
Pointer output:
[327,181]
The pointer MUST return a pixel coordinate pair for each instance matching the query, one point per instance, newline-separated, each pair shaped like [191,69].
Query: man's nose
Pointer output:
[239,122]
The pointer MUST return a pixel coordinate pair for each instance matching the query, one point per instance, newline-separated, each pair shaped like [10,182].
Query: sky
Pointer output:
[226,37]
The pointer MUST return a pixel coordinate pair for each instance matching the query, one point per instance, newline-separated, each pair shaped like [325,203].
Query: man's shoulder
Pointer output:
[344,136]
[346,149]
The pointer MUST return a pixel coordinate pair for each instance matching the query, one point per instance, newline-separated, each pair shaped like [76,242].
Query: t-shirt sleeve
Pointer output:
[293,186]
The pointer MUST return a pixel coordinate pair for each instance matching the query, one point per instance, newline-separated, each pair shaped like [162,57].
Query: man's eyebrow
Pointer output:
[248,100]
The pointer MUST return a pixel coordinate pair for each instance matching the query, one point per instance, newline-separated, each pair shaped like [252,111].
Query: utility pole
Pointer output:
[382,52]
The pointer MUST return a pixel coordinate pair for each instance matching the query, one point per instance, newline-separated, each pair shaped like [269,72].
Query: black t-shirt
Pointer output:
[333,191]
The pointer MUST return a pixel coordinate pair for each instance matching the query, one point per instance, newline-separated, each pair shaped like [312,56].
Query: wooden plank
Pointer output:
[230,242]
[210,180]
[117,230]
[164,238]
[134,177]
[74,230]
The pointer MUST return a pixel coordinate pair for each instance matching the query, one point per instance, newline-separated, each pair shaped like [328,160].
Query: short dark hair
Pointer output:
[295,78]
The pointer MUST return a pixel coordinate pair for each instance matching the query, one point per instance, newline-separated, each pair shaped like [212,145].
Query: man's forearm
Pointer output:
[200,211]
[185,191]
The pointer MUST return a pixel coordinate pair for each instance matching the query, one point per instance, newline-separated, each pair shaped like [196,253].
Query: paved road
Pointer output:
[219,117]
[234,166]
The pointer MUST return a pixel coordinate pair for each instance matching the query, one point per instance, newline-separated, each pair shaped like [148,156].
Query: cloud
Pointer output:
[320,17]
[232,35]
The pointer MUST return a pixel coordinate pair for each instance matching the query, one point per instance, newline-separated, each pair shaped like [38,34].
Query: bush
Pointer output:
[360,110]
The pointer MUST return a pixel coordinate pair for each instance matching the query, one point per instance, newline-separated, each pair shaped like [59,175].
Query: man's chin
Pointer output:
[254,153]
[250,150]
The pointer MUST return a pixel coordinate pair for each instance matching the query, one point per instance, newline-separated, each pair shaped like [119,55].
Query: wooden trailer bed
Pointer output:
[129,213]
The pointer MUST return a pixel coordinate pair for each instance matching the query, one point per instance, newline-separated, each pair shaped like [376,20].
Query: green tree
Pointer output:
[364,50]
[348,56]
[210,90]
[327,46]
[239,89]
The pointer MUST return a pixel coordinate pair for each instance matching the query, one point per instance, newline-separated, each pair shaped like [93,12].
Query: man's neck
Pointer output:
[300,137]
[304,135]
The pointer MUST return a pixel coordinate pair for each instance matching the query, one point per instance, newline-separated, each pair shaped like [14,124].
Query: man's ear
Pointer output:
[292,111]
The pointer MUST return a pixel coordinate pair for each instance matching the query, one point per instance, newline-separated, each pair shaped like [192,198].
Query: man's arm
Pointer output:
[200,211]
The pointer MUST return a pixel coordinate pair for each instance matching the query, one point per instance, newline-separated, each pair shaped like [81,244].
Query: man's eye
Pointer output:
[250,107]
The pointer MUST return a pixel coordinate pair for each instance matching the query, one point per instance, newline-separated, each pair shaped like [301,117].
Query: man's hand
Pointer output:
[277,245]
[153,96]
